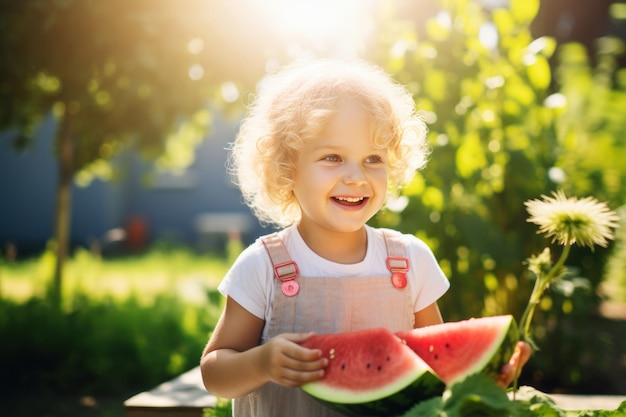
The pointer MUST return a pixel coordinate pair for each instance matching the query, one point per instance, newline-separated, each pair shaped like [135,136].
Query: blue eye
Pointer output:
[374,159]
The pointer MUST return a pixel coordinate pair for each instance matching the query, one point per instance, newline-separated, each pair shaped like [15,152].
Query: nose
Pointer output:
[354,175]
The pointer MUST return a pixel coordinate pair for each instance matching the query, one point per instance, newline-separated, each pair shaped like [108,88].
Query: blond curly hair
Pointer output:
[294,105]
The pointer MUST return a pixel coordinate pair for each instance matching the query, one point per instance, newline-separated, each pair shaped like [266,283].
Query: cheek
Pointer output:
[316,175]
[379,176]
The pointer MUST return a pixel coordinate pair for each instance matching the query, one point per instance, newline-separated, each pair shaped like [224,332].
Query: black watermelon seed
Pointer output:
[380,368]
[436,356]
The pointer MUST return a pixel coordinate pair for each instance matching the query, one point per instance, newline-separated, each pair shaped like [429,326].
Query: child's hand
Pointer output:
[287,363]
[514,366]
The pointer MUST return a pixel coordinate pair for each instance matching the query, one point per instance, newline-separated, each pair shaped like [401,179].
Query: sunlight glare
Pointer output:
[341,24]
[230,92]
[444,19]
[488,35]
[195,46]
[196,72]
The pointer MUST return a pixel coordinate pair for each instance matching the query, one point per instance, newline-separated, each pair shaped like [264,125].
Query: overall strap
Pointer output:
[285,270]
[397,261]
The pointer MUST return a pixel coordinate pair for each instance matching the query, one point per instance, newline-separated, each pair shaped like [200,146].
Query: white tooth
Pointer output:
[350,199]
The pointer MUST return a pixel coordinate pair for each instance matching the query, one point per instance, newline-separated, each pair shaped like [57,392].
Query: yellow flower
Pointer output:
[569,221]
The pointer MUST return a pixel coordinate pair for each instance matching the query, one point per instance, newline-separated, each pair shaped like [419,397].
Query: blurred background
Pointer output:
[118,217]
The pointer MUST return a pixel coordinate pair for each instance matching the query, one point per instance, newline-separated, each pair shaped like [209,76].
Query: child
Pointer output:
[324,145]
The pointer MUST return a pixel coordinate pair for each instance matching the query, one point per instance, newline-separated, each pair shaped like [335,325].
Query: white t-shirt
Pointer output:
[250,281]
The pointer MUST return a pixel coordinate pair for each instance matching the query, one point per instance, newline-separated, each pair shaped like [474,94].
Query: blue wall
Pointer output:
[170,206]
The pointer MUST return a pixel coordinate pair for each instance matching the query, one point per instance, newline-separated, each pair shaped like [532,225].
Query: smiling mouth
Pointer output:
[350,201]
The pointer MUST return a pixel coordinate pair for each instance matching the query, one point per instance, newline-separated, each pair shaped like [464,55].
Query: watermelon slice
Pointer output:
[455,350]
[371,373]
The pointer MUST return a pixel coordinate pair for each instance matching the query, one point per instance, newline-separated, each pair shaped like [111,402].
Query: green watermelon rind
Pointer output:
[345,396]
[424,387]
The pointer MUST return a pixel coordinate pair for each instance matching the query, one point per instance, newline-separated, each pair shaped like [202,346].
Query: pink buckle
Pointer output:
[398,273]
[391,260]
[291,273]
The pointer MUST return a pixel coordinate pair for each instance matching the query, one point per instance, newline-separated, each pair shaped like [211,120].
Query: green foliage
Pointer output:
[122,74]
[479,396]
[223,408]
[99,347]
[141,67]
[579,351]
[127,324]
[510,118]
[614,287]
[163,269]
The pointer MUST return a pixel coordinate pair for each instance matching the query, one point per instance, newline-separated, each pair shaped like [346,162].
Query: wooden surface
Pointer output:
[185,396]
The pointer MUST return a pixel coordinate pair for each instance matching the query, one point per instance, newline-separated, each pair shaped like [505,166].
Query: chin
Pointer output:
[347,227]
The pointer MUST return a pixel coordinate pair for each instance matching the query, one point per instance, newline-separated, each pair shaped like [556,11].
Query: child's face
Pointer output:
[341,178]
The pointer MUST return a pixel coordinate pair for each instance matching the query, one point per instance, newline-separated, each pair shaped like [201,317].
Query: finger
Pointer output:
[308,355]
[297,337]
[506,376]
[292,356]
[519,358]
[513,368]
[525,353]
[295,379]
[300,365]
[299,352]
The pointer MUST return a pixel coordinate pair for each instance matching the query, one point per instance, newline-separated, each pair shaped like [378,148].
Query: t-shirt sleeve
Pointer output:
[429,280]
[249,279]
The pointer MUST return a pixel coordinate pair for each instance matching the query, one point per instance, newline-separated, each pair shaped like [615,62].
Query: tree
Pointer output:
[119,74]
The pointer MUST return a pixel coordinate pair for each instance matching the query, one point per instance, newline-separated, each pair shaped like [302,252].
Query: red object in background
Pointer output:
[136,233]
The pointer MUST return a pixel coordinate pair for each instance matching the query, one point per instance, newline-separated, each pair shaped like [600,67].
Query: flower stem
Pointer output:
[541,284]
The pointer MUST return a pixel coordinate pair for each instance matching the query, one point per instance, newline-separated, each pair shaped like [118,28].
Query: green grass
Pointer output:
[162,270]
[126,325]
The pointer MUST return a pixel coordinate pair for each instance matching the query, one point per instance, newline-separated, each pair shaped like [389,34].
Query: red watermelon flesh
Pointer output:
[370,372]
[455,350]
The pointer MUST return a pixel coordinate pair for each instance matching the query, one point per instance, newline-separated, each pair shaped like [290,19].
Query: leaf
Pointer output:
[524,11]
[504,21]
[530,402]
[470,156]
[433,197]
[539,72]
[519,91]
[435,85]
[477,395]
